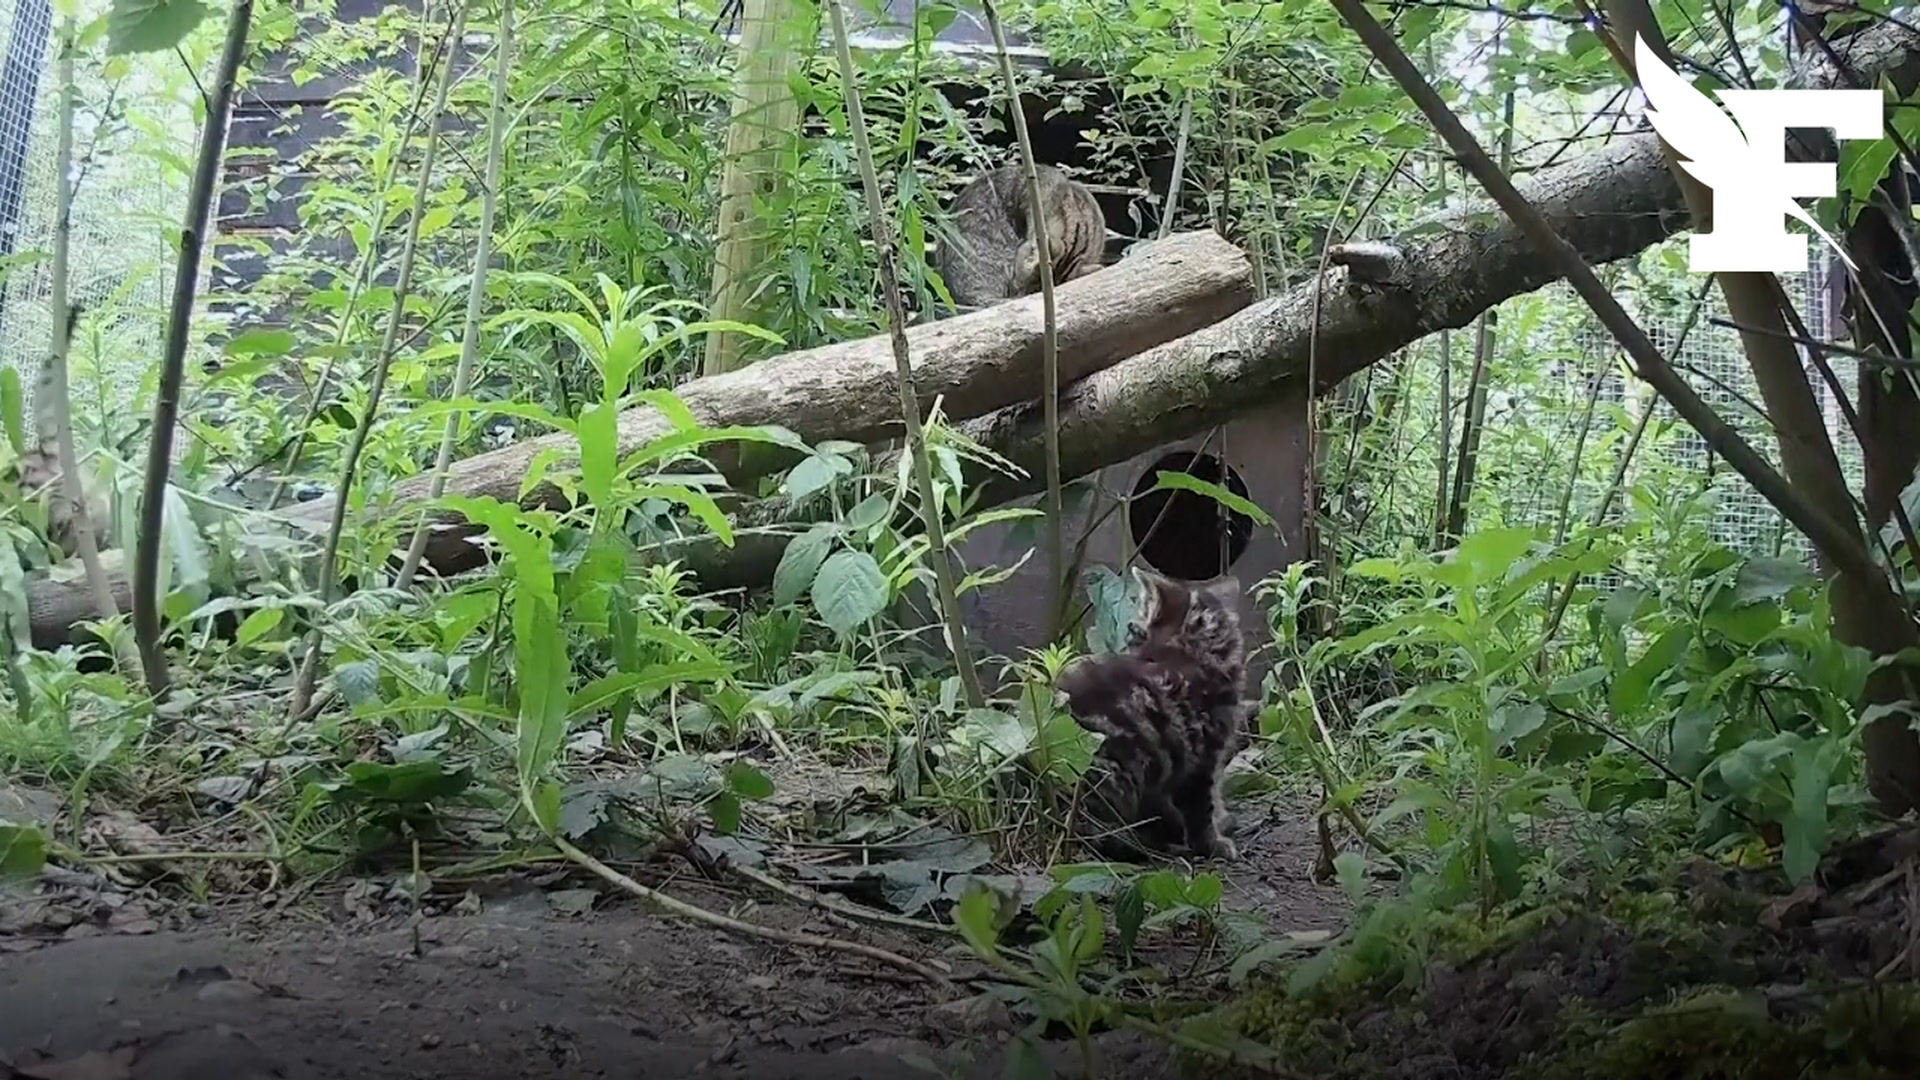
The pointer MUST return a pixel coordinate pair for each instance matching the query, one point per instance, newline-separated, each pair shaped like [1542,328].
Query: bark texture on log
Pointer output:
[57,606]
[1609,205]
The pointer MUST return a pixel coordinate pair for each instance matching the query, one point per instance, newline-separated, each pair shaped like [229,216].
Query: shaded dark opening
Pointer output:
[1185,534]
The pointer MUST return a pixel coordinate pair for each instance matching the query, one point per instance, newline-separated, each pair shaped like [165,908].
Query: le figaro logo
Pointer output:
[1754,186]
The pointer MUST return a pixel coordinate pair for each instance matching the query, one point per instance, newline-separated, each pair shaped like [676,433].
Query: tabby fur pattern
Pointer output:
[1170,712]
[991,256]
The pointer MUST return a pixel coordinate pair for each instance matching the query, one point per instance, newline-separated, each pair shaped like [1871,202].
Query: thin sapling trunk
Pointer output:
[937,555]
[389,344]
[166,398]
[476,290]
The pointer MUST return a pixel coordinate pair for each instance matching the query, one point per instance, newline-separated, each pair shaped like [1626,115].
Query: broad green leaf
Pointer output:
[580,330]
[260,341]
[1862,164]
[849,590]
[869,513]
[143,26]
[409,782]
[13,410]
[600,692]
[815,474]
[1692,740]
[801,561]
[521,410]
[1169,480]
[1204,890]
[1378,567]
[541,668]
[975,916]
[1769,579]
[23,850]
[1804,832]
[1503,856]
[1624,605]
[1631,690]
[1584,679]
[185,550]
[544,804]
[358,681]
[694,329]
[1024,1061]
[1511,723]
[599,452]
[1129,914]
[15,620]
[1114,606]
[697,502]
[1350,869]
[725,810]
[746,781]
[259,624]
[1491,553]
[670,406]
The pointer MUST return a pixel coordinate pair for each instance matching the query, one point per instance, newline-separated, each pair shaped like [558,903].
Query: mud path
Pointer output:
[529,983]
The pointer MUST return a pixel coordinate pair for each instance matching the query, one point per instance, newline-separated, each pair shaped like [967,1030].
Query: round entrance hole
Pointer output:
[1185,534]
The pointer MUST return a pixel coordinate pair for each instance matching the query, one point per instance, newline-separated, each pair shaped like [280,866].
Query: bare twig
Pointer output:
[403,284]
[1181,138]
[732,925]
[937,555]
[166,398]
[72,486]
[1037,232]
[1846,550]
[813,898]
[477,288]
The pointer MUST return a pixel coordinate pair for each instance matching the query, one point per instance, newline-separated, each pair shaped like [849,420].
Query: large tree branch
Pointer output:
[1438,274]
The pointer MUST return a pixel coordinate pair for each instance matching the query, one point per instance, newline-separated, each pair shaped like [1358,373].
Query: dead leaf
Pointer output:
[1794,909]
[572,901]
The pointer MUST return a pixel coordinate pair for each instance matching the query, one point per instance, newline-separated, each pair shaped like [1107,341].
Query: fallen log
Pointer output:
[973,363]
[1379,297]
[1609,204]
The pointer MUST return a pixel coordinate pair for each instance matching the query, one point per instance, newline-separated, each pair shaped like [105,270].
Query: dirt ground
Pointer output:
[100,982]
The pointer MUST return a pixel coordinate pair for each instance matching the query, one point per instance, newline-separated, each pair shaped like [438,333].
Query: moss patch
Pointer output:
[1692,983]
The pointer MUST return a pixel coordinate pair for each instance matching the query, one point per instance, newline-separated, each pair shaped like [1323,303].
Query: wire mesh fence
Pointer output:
[1707,352]
[120,260]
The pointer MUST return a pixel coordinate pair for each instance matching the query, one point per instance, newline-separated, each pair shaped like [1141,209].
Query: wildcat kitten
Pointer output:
[1169,708]
[993,257]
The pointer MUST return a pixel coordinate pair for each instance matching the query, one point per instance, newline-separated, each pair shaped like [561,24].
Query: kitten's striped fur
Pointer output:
[1169,707]
[991,255]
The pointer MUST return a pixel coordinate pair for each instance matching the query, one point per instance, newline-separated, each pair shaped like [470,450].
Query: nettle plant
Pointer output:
[1719,684]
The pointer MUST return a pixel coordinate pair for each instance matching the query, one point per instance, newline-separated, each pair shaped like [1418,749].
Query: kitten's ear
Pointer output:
[1151,595]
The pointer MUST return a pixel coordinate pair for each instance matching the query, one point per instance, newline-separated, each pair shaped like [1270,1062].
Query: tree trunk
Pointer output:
[765,115]
[1877,304]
